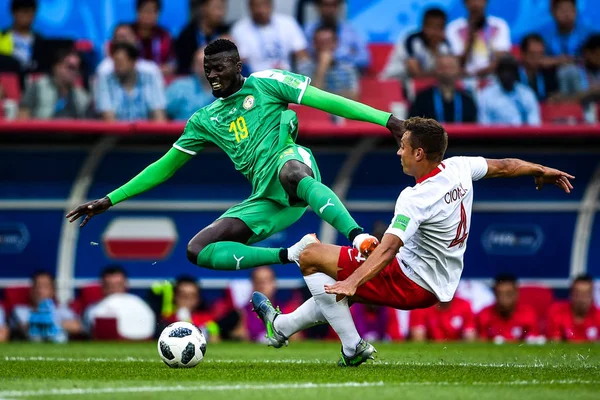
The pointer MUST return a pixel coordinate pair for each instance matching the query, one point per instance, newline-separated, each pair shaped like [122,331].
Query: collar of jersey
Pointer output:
[435,171]
[232,94]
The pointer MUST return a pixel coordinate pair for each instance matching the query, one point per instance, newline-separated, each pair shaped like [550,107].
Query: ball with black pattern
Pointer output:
[181,345]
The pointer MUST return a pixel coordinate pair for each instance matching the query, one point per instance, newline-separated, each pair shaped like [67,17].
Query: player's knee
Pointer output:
[309,259]
[193,249]
[293,172]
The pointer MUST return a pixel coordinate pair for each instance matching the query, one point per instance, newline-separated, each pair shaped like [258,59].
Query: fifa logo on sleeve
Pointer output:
[401,222]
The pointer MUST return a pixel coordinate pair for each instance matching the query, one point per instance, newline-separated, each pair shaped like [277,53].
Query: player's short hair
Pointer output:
[585,278]
[112,270]
[16,5]
[435,13]
[221,46]
[183,279]
[132,52]
[591,43]
[505,278]
[140,3]
[532,37]
[557,2]
[428,134]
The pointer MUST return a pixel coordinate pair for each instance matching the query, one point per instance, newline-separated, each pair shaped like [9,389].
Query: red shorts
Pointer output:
[391,287]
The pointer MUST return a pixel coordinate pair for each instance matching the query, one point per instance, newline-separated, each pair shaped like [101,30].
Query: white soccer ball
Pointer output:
[181,345]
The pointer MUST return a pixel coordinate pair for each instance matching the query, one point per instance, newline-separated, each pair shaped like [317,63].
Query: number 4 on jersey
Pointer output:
[461,232]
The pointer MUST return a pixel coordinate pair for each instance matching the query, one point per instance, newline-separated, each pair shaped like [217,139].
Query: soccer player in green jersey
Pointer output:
[251,123]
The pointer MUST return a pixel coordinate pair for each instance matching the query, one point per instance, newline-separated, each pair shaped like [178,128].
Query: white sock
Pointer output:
[337,313]
[307,315]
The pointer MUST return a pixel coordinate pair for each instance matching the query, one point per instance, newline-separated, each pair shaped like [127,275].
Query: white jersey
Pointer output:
[433,219]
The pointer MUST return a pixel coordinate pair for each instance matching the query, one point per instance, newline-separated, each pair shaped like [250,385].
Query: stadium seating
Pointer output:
[380,52]
[88,295]
[379,93]
[562,113]
[10,85]
[14,296]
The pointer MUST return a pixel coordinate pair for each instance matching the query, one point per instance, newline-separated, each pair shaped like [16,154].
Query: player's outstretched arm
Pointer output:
[151,176]
[377,261]
[514,167]
[350,109]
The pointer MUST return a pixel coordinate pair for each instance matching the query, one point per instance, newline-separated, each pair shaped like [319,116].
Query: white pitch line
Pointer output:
[308,385]
[537,364]
[180,388]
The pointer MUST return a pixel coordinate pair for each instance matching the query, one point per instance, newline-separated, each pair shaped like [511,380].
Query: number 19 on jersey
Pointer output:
[240,129]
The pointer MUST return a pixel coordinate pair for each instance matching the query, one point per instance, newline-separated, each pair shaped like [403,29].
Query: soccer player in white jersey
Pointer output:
[420,259]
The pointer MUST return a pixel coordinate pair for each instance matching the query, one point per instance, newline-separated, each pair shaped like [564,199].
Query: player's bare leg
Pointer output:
[300,184]
[221,245]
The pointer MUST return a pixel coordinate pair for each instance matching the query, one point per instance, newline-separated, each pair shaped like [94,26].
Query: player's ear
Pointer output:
[238,67]
[419,154]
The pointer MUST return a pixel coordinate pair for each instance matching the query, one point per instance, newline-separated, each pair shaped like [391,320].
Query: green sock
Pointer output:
[327,205]
[231,256]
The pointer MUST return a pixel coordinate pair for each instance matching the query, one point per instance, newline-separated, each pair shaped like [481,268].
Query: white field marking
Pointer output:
[308,385]
[180,388]
[537,364]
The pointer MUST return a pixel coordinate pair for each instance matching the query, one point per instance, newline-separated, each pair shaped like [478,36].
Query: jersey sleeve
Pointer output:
[477,165]
[283,85]
[193,138]
[408,215]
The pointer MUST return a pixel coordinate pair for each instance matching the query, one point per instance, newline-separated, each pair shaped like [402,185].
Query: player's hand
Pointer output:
[89,209]
[344,288]
[555,177]
[396,127]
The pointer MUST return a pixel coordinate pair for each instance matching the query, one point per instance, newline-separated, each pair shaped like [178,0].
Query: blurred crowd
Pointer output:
[461,71]
[506,312]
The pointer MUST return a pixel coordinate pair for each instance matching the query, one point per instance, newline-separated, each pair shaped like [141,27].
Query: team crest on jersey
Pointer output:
[248,102]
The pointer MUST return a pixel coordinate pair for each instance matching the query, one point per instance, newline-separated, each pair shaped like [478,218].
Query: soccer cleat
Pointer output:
[364,352]
[365,244]
[267,313]
[295,250]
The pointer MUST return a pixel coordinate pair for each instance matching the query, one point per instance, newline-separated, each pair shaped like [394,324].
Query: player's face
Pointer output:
[507,295]
[222,73]
[407,154]
[187,296]
[582,297]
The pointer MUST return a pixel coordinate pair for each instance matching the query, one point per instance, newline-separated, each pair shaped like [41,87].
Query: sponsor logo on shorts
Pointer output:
[401,222]
[248,102]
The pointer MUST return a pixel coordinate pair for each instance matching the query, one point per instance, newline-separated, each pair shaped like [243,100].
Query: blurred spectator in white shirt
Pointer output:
[351,46]
[325,70]
[478,39]
[507,101]
[4,333]
[268,40]
[129,94]
[44,320]
[188,94]
[415,56]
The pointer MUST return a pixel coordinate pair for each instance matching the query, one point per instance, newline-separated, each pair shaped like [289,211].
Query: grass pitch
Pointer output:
[235,371]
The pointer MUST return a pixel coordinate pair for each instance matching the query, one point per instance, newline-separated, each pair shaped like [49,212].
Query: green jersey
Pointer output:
[246,125]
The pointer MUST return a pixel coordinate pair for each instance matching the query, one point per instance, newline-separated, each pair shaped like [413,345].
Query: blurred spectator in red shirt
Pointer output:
[577,320]
[190,307]
[154,41]
[207,24]
[375,323]
[453,320]
[507,320]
